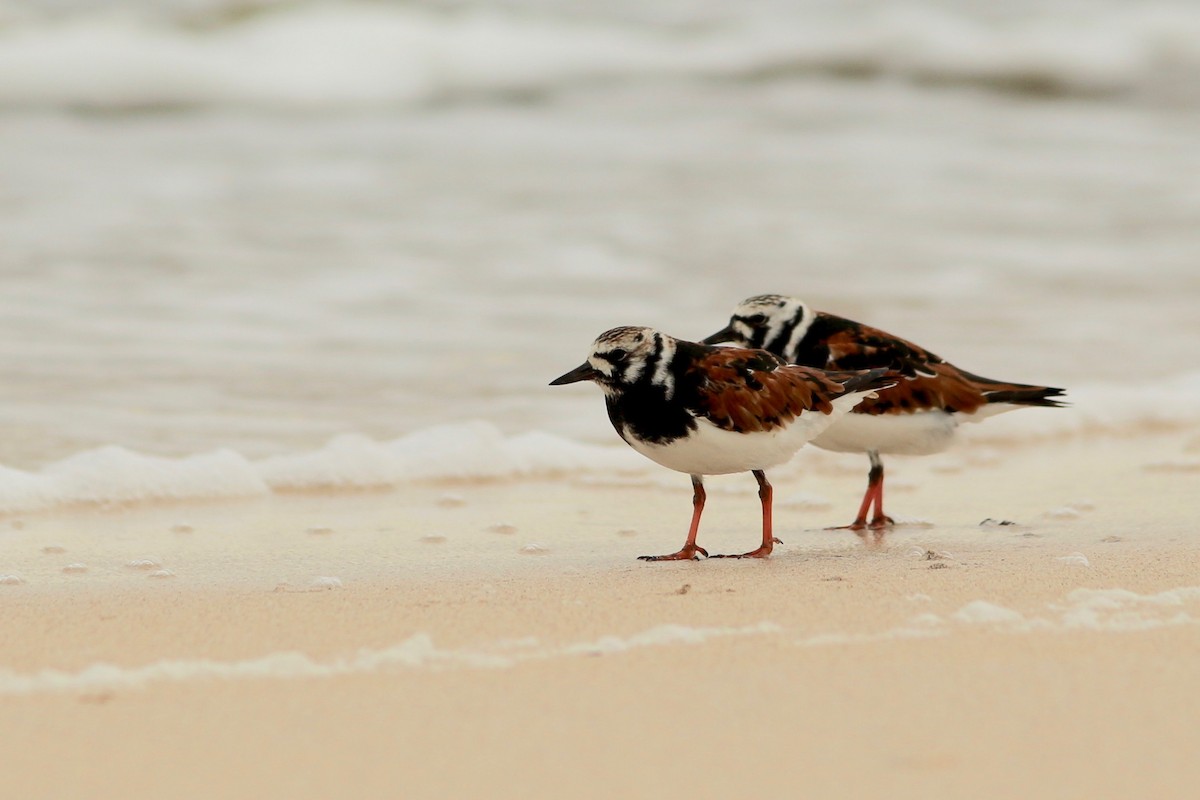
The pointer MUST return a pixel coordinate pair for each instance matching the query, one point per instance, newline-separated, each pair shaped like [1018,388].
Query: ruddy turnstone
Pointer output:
[715,410]
[916,416]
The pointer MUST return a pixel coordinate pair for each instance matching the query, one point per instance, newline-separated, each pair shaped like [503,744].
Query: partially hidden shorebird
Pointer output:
[917,416]
[707,410]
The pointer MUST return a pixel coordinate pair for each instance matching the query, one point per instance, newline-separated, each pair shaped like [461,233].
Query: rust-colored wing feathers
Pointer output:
[751,390]
[951,389]
[930,383]
[947,389]
[857,346]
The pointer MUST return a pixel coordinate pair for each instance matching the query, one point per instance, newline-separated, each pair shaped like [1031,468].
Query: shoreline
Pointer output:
[1050,657]
[434,530]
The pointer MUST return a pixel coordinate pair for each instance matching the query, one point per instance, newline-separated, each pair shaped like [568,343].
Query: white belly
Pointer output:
[710,450]
[917,434]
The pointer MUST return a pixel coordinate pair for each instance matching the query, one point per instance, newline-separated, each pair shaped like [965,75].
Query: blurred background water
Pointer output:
[256,225]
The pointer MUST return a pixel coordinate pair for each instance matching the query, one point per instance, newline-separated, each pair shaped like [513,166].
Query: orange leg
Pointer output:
[880,521]
[690,549]
[765,494]
[873,496]
[860,522]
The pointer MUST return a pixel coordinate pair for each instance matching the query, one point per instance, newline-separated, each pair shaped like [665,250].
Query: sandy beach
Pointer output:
[288,510]
[498,639]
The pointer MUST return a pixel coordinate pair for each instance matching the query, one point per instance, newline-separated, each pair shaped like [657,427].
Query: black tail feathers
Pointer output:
[1028,396]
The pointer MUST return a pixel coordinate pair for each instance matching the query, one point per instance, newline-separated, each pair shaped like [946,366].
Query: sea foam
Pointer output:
[418,651]
[114,475]
[1082,610]
[472,450]
[478,449]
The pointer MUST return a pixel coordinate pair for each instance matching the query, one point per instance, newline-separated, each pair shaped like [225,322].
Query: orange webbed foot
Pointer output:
[690,552]
[762,552]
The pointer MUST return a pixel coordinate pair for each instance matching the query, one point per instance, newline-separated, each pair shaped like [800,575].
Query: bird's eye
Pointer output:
[756,319]
[617,355]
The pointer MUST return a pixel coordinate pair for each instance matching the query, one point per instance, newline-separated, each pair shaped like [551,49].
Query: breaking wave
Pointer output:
[322,56]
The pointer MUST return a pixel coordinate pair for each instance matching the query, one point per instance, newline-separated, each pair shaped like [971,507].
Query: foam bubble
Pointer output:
[981,611]
[912,522]
[1062,512]
[450,500]
[664,635]
[325,582]
[931,555]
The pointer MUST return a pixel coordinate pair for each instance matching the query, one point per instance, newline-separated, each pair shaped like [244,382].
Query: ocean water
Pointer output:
[283,240]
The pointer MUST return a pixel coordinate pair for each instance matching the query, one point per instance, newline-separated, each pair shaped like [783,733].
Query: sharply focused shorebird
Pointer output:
[917,416]
[707,410]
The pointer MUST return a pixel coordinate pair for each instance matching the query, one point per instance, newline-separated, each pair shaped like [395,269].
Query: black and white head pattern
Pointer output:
[631,356]
[770,322]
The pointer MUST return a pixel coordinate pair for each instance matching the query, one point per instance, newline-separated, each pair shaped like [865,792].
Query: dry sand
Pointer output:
[456,659]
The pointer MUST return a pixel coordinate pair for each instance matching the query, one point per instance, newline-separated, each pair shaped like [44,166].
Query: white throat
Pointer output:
[798,333]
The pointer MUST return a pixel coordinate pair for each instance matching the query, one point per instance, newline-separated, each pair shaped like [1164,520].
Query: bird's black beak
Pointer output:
[583,372]
[726,334]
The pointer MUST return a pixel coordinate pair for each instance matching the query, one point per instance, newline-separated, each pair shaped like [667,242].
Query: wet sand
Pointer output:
[499,639]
